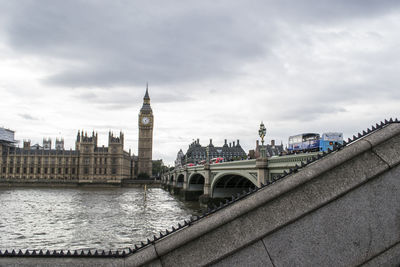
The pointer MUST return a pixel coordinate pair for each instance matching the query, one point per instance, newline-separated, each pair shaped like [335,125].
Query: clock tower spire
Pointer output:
[145,146]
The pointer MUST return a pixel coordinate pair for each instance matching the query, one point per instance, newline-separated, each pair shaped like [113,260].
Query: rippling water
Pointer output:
[86,218]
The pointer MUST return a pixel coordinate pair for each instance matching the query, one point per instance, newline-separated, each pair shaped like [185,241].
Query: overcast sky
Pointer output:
[215,69]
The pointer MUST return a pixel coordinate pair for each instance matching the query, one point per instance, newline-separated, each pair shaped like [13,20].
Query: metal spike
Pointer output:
[83,253]
[6,252]
[359,135]
[373,128]
[148,241]
[285,173]
[386,121]
[61,252]
[136,247]
[155,238]
[33,253]
[20,253]
[117,253]
[47,253]
[364,132]
[54,253]
[13,252]
[68,253]
[96,253]
[368,130]
[123,253]
[76,253]
[396,120]
[381,124]
[167,232]
[390,120]
[354,137]
[142,243]
[103,253]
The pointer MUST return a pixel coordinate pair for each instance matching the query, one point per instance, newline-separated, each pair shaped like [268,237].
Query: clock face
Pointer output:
[145,120]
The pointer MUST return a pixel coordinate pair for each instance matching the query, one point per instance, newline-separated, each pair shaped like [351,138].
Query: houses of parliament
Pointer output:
[87,163]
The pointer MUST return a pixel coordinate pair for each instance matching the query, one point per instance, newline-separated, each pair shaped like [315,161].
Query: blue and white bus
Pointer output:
[312,142]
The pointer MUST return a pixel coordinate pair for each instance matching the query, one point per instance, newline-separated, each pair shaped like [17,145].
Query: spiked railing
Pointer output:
[186,223]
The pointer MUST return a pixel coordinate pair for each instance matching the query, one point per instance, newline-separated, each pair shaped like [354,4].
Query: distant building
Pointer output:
[180,159]
[7,136]
[271,150]
[197,153]
[87,163]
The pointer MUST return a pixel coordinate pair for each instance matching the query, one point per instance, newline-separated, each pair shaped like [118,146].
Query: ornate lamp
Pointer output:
[262,132]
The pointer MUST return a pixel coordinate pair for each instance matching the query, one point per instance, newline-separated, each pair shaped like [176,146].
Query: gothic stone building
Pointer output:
[197,153]
[87,163]
[145,146]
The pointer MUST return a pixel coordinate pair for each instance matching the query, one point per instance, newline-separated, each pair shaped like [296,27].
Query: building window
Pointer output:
[86,161]
[18,170]
[32,170]
[113,170]
[73,171]
[45,170]
[4,169]
[11,170]
[52,170]
[59,161]
[105,170]
[38,170]
[66,170]
[86,170]
[59,170]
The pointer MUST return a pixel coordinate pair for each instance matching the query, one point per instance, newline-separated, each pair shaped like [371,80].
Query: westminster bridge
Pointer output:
[222,180]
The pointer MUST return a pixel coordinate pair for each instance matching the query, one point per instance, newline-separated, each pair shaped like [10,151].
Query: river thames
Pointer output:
[72,218]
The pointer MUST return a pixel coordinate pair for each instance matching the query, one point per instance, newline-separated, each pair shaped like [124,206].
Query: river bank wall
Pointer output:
[6,183]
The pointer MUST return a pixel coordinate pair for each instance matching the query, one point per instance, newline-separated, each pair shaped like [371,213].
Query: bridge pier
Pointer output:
[205,198]
[262,171]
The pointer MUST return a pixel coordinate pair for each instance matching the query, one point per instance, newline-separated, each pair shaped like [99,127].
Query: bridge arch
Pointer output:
[226,184]
[180,180]
[196,182]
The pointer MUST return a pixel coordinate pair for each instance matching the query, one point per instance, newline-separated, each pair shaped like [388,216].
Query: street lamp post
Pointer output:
[208,154]
[262,132]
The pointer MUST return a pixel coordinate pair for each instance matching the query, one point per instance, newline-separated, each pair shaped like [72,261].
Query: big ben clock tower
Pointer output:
[145,146]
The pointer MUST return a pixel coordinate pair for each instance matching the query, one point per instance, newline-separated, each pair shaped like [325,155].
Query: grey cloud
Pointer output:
[28,117]
[113,99]
[309,111]
[126,44]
